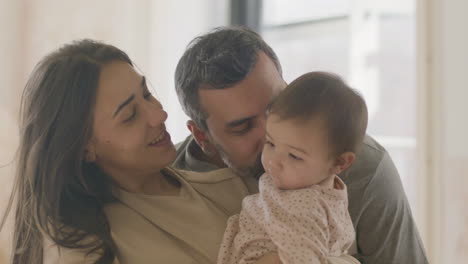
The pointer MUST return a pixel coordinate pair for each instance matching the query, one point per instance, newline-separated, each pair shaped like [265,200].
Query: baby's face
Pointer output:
[296,155]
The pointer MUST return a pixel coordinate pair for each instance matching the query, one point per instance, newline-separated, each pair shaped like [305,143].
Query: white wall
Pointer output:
[10,65]
[173,25]
[453,41]
[445,59]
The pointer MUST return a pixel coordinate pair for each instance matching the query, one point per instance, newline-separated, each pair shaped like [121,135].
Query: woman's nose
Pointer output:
[156,115]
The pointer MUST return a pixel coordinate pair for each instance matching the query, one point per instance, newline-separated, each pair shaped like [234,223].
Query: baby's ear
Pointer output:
[343,161]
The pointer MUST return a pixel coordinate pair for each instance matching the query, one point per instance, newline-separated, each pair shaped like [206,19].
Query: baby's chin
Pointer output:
[278,184]
[283,186]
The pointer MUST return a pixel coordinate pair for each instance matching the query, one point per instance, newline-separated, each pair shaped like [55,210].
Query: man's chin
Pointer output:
[252,171]
[256,170]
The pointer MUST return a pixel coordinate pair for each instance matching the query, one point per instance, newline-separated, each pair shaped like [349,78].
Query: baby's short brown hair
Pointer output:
[326,96]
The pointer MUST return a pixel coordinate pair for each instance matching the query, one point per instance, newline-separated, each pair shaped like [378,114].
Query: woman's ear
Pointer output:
[201,138]
[343,161]
[90,152]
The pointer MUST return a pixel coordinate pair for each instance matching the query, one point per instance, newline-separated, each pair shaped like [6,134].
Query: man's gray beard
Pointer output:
[256,170]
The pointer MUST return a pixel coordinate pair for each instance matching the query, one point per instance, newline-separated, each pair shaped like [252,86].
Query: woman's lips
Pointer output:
[166,139]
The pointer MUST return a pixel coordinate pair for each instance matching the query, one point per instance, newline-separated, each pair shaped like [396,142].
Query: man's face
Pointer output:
[236,116]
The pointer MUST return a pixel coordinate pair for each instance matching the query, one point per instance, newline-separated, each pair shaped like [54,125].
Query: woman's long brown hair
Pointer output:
[57,195]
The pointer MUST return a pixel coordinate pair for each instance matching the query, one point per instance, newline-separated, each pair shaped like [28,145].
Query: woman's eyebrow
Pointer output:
[130,98]
[123,104]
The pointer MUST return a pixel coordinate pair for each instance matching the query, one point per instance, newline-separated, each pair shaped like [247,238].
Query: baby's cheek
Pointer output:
[264,158]
[277,182]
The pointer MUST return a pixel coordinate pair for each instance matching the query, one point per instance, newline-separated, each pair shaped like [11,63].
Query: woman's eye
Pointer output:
[148,95]
[294,157]
[130,118]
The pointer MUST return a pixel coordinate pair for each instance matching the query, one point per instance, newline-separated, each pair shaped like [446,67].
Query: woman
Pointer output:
[93,184]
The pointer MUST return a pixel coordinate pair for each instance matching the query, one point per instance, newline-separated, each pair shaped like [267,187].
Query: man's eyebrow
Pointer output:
[239,122]
[123,104]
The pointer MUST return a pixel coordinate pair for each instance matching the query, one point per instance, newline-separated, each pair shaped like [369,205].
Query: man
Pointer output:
[224,81]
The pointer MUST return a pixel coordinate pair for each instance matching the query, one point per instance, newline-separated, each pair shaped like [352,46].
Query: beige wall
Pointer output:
[153,32]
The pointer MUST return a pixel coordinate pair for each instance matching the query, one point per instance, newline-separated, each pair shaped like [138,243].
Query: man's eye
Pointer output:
[294,157]
[242,129]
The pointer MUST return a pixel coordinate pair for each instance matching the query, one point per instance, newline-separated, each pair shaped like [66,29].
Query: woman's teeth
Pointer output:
[158,139]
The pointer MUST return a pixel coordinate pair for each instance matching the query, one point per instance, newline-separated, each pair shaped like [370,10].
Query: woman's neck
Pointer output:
[152,184]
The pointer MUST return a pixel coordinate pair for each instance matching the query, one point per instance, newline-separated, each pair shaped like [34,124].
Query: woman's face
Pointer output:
[129,137]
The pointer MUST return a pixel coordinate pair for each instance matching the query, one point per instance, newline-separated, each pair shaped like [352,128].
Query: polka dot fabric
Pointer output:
[304,226]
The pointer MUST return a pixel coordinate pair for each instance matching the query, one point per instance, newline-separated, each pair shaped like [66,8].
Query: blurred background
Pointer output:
[409,58]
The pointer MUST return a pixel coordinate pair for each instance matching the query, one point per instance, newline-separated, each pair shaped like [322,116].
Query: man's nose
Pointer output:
[261,130]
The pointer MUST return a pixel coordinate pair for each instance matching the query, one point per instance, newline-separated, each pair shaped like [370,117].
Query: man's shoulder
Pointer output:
[182,146]
[379,208]
[369,155]
[372,164]
[186,160]
[371,151]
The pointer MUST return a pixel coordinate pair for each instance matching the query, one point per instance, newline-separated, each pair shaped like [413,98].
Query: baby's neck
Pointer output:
[329,182]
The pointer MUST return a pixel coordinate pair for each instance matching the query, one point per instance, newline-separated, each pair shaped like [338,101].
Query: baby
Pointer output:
[314,128]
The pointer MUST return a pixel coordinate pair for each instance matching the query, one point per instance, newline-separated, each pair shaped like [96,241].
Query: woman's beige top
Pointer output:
[169,229]
[184,229]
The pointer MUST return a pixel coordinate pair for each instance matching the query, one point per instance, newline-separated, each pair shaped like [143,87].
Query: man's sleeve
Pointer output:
[386,232]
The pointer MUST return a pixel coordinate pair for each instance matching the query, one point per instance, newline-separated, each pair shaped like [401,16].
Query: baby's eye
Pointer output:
[294,157]
[269,143]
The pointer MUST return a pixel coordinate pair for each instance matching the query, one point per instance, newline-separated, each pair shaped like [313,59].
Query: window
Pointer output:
[371,44]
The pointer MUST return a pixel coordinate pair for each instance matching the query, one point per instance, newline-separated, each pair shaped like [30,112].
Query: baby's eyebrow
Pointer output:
[268,135]
[298,149]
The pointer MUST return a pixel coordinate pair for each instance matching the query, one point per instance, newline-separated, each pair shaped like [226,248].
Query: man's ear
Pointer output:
[343,161]
[90,152]
[201,137]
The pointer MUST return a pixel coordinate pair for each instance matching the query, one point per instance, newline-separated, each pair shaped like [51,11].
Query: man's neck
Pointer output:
[198,154]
